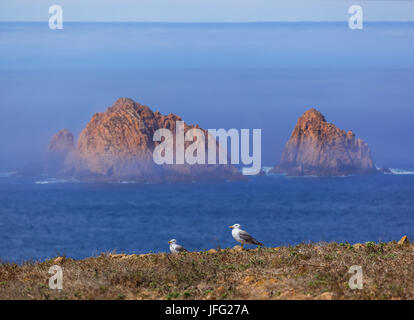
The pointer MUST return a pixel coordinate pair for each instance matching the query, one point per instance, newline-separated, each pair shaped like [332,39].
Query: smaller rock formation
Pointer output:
[60,146]
[61,142]
[319,148]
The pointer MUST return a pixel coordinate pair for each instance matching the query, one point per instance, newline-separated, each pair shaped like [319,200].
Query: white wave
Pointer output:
[7,174]
[266,169]
[127,181]
[267,172]
[400,171]
[54,180]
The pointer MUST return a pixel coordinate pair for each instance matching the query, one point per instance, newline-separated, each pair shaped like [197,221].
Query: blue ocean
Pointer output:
[43,219]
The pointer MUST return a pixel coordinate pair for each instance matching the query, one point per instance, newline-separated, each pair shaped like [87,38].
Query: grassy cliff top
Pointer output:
[305,271]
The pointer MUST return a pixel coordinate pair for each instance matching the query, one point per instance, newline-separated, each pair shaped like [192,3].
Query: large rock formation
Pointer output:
[319,148]
[118,145]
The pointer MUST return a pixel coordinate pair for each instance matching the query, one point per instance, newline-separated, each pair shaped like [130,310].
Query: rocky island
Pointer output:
[118,145]
[60,146]
[319,148]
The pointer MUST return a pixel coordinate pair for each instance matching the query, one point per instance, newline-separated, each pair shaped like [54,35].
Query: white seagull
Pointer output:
[176,248]
[242,236]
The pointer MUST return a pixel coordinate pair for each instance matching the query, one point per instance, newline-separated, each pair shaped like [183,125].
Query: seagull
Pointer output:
[176,248]
[242,236]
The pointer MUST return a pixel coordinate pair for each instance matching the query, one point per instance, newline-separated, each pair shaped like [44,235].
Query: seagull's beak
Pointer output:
[169,242]
[231,227]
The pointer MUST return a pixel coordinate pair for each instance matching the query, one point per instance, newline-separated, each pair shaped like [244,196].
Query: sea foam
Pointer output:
[400,171]
[54,180]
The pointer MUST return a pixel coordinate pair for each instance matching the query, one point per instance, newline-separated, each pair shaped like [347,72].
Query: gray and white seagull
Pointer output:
[243,236]
[176,248]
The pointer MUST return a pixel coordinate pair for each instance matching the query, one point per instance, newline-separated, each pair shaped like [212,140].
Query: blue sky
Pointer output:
[206,10]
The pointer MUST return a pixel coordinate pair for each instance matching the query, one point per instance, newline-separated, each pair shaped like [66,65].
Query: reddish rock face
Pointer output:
[118,144]
[317,147]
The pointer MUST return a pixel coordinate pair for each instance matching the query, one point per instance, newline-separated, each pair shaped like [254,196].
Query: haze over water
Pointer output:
[255,75]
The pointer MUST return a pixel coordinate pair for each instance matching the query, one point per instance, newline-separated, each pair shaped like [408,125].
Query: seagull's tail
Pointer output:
[258,243]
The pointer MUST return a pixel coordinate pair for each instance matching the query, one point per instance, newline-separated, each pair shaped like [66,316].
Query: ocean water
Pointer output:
[42,220]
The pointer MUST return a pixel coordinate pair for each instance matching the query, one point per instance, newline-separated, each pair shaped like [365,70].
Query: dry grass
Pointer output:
[306,271]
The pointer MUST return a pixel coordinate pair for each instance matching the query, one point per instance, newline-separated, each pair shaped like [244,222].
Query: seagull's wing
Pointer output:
[180,248]
[244,235]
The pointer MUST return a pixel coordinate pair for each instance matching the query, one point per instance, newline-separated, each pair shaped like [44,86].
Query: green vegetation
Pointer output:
[305,271]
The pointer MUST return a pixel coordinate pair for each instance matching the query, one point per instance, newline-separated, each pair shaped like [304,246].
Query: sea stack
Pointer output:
[118,145]
[319,148]
[60,146]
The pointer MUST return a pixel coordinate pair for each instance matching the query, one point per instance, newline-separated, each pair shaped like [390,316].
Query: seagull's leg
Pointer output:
[242,245]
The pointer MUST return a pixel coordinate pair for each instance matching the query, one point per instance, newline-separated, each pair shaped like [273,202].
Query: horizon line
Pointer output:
[211,22]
